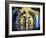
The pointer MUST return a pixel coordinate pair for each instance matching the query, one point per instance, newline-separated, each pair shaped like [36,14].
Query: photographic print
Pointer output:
[25,19]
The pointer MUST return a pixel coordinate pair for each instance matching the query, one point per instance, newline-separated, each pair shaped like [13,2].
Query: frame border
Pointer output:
[7,16]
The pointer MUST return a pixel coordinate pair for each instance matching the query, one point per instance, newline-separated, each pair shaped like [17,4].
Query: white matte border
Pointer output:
[25,32]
